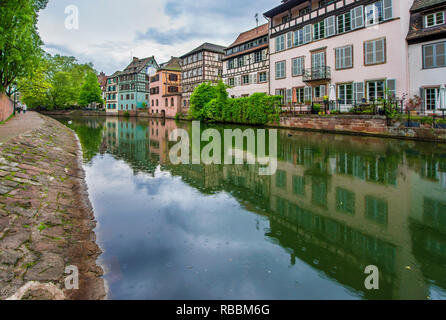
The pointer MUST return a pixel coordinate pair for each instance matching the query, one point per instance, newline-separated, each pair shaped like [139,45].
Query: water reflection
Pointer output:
[336,204]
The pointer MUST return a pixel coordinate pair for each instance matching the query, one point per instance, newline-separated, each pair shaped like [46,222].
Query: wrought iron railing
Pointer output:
[317,73]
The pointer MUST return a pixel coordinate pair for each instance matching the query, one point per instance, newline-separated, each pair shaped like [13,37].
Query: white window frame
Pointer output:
[435,18]
[280,43]
[280,69]
[434,55]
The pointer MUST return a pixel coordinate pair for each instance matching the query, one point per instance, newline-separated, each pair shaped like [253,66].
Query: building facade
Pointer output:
[203,64]
[134,85]
[427,54]
[165,90]
[349,51]
[102,79]
[246,63]
[111,94]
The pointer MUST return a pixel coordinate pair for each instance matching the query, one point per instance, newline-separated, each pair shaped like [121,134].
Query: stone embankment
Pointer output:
[46,219]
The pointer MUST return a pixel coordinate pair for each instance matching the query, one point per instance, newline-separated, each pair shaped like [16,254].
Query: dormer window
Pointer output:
[434,19]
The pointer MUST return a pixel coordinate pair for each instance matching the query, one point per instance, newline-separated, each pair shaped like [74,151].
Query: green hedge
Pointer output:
[211,103]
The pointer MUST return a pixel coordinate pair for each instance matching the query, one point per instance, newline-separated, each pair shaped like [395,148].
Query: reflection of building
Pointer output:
[203,64]
[111,94]
[357,46]
[427,52]
[337,203]
[134,84]
[165,89]
[246,63]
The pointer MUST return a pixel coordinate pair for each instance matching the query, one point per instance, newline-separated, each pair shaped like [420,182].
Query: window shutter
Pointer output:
[338,58]
[391,86]
[277,44]
[368,52]
[357,17]
[379,51]
[307,33]
[359,91]
[388,14]
[307,94]
[289,95]
[323,88]
[264,54]
[348,57]
[330,26]
[289,37]
[422,99]
[255,75]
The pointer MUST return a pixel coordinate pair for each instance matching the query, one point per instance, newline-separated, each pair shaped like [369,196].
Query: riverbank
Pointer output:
[46,219]
[363,125]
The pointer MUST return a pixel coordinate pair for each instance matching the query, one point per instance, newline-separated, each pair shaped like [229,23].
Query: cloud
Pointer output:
[111,32]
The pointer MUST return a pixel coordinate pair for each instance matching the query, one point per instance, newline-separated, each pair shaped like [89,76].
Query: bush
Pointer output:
[126,114]
[427,120]
[256,109]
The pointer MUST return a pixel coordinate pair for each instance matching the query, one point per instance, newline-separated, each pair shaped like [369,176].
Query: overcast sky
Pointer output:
[112,31]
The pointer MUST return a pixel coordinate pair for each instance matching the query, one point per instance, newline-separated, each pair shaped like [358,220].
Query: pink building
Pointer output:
[165,90]
[350,50]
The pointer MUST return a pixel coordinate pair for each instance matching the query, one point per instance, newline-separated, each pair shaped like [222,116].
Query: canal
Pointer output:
[335,205]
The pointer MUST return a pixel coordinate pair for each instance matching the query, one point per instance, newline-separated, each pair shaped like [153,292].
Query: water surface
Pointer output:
[336,205]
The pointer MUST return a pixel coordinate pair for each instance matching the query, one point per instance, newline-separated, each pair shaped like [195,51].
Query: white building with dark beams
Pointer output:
[203,64]
[427,54]
[246,63]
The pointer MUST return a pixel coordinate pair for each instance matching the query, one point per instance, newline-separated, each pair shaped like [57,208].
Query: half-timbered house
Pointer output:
[246,63]
[203,64]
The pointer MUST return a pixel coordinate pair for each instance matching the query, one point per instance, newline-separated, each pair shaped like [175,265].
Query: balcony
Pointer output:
[317,74]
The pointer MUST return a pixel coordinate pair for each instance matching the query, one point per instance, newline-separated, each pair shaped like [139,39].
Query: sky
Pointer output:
[111,32]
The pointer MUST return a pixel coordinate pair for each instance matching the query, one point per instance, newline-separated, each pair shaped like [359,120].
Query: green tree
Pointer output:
[201,96]
[90,91]
[20,44]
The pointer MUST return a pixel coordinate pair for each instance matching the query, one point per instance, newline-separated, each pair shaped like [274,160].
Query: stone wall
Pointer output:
[366,125]
[6,107]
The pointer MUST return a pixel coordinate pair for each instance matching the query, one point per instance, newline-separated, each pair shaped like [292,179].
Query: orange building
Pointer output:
[165,89]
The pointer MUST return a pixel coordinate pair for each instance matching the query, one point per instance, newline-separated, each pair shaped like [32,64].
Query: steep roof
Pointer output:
[205,47]
[420,5]
[252,34]
[138,64]
[172,65]
[417,32]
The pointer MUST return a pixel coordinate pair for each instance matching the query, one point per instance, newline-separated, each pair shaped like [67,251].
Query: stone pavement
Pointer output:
[19,124]
[46,220]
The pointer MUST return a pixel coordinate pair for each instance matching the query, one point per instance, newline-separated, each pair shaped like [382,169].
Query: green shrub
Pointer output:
[256,109]
[427,120]
[126,114]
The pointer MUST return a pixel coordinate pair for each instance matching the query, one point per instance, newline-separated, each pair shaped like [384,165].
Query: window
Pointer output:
[280,70]
[345,94]
[375,90]
[263,77]
[434,55]
[319,91]
[245,79]
[375,52]
[172,102]
[319,30]
[344,57]
[298,66]
[330,26]
[258,56]
[307,33]
[374,13]
[345,201]
[281,179]
[357,17]
[434,19]
[430,98]
[299,37]
[376,209]
[300,97]
[280,43]
[304,11]
[231,82]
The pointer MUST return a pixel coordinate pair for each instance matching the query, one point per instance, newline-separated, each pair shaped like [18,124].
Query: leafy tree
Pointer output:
[20,44]
[201,96]
[91,90]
